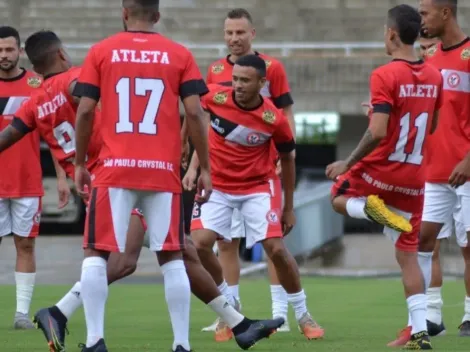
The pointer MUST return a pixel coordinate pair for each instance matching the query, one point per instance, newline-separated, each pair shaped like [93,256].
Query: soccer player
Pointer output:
[383,178]
[427,45]
[21,186]
[55,120]
[239,33]
[448,169]
[243,126]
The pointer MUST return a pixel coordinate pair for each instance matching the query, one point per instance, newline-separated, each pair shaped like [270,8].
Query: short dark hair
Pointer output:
[451,4]
[406,20]
[7,31]
[239,13]
[40,45]
[254,61]
[144,9]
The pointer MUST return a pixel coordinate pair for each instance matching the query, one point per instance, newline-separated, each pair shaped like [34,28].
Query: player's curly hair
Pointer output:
[39,46]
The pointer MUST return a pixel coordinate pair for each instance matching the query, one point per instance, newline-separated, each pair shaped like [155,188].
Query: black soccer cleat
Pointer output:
[180,348]
[435,330]
[257,330]
[464,329]
[53,327]
[419,341]
[100,346]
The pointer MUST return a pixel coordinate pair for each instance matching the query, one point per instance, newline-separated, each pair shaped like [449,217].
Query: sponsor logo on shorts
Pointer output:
[272,217]
[37,218]
[196,211]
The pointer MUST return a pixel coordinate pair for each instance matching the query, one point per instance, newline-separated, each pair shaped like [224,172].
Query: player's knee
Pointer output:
[466,255]
[276,250]
[338,204]
[228,247]
[203,240]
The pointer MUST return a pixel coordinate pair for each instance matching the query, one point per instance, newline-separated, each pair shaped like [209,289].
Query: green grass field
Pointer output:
[358,315]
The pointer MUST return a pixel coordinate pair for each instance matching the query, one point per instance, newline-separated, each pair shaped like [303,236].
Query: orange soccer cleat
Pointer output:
[310,328]
[402,338]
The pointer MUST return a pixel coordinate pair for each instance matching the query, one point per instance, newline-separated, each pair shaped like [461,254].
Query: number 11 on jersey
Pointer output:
[142,86]
[416,155]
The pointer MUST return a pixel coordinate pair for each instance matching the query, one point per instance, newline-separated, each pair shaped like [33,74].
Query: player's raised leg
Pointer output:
[25,215]
[53,320]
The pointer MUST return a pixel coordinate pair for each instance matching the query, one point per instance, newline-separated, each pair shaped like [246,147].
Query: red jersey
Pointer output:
[451,141]
[239,141]
[51,111]
[410,92]
[139,77]
[21,163]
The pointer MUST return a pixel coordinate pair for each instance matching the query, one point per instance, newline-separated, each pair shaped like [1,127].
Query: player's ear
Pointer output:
[253,33]
[21,50]
[156,17]
[262,82]
[125,14]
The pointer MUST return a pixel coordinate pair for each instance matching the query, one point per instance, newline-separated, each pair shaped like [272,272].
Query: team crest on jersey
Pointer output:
[253,138]
[269,117]
[431,51]
[216,69]
[272,217]
[34,82]
[268,63]
[465,55]
[220,98]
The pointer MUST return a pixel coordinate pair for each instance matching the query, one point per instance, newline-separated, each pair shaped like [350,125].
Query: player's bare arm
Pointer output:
[374,134]
[461,173]
[71,89]
[62,185]
[288,178]
[435,120]
[198,128]
[10,135]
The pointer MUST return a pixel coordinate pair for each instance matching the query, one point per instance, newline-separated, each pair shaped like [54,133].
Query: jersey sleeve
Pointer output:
[283,137]
[279,87]
[381,93]
[25,117]
[209,76]
[192,82]
[89,81]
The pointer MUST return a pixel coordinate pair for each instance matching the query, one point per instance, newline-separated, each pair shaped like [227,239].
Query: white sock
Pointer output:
[24,291]
[355,208]
[223,288]
[280,305]
[94,284]
[434,305]
[178,299]
[235,292]
[410,321]
[466,316]
[71,301]
[225,311]
[299,303]
[425,263]
[417,310]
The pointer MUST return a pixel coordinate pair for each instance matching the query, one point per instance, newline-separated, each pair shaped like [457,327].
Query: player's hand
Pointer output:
[64,192]
[82,182]
[278,168]
[287,221]
[461,174]
[185,154]
[189,180]
[335,169]
[204,187]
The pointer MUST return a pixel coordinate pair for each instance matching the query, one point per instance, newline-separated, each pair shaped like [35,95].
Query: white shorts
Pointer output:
[20,216]
[455,225]
[237,229]
[109,213]
[260,219]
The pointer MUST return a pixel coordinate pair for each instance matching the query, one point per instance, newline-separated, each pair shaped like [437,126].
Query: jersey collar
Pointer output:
[243,108]
[17,78]
[419,62]
[456,46]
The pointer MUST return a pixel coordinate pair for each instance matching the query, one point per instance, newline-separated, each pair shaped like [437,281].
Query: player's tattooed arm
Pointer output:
[9,136]
[375,133]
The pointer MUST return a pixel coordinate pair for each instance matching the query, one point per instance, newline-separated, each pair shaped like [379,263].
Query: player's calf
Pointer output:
[288,274]
[415,297]
[25,276]
[464,328]
[204,241]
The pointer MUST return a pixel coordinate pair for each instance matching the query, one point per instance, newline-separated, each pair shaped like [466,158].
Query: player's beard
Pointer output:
[8,65]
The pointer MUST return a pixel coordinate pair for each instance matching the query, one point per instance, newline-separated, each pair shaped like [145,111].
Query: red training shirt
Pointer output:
[240,139]
[451,142]
[21,163]
[139,76]
[410,92]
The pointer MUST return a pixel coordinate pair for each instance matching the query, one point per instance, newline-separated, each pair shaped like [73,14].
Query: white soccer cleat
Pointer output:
[284,327]
[211,328]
